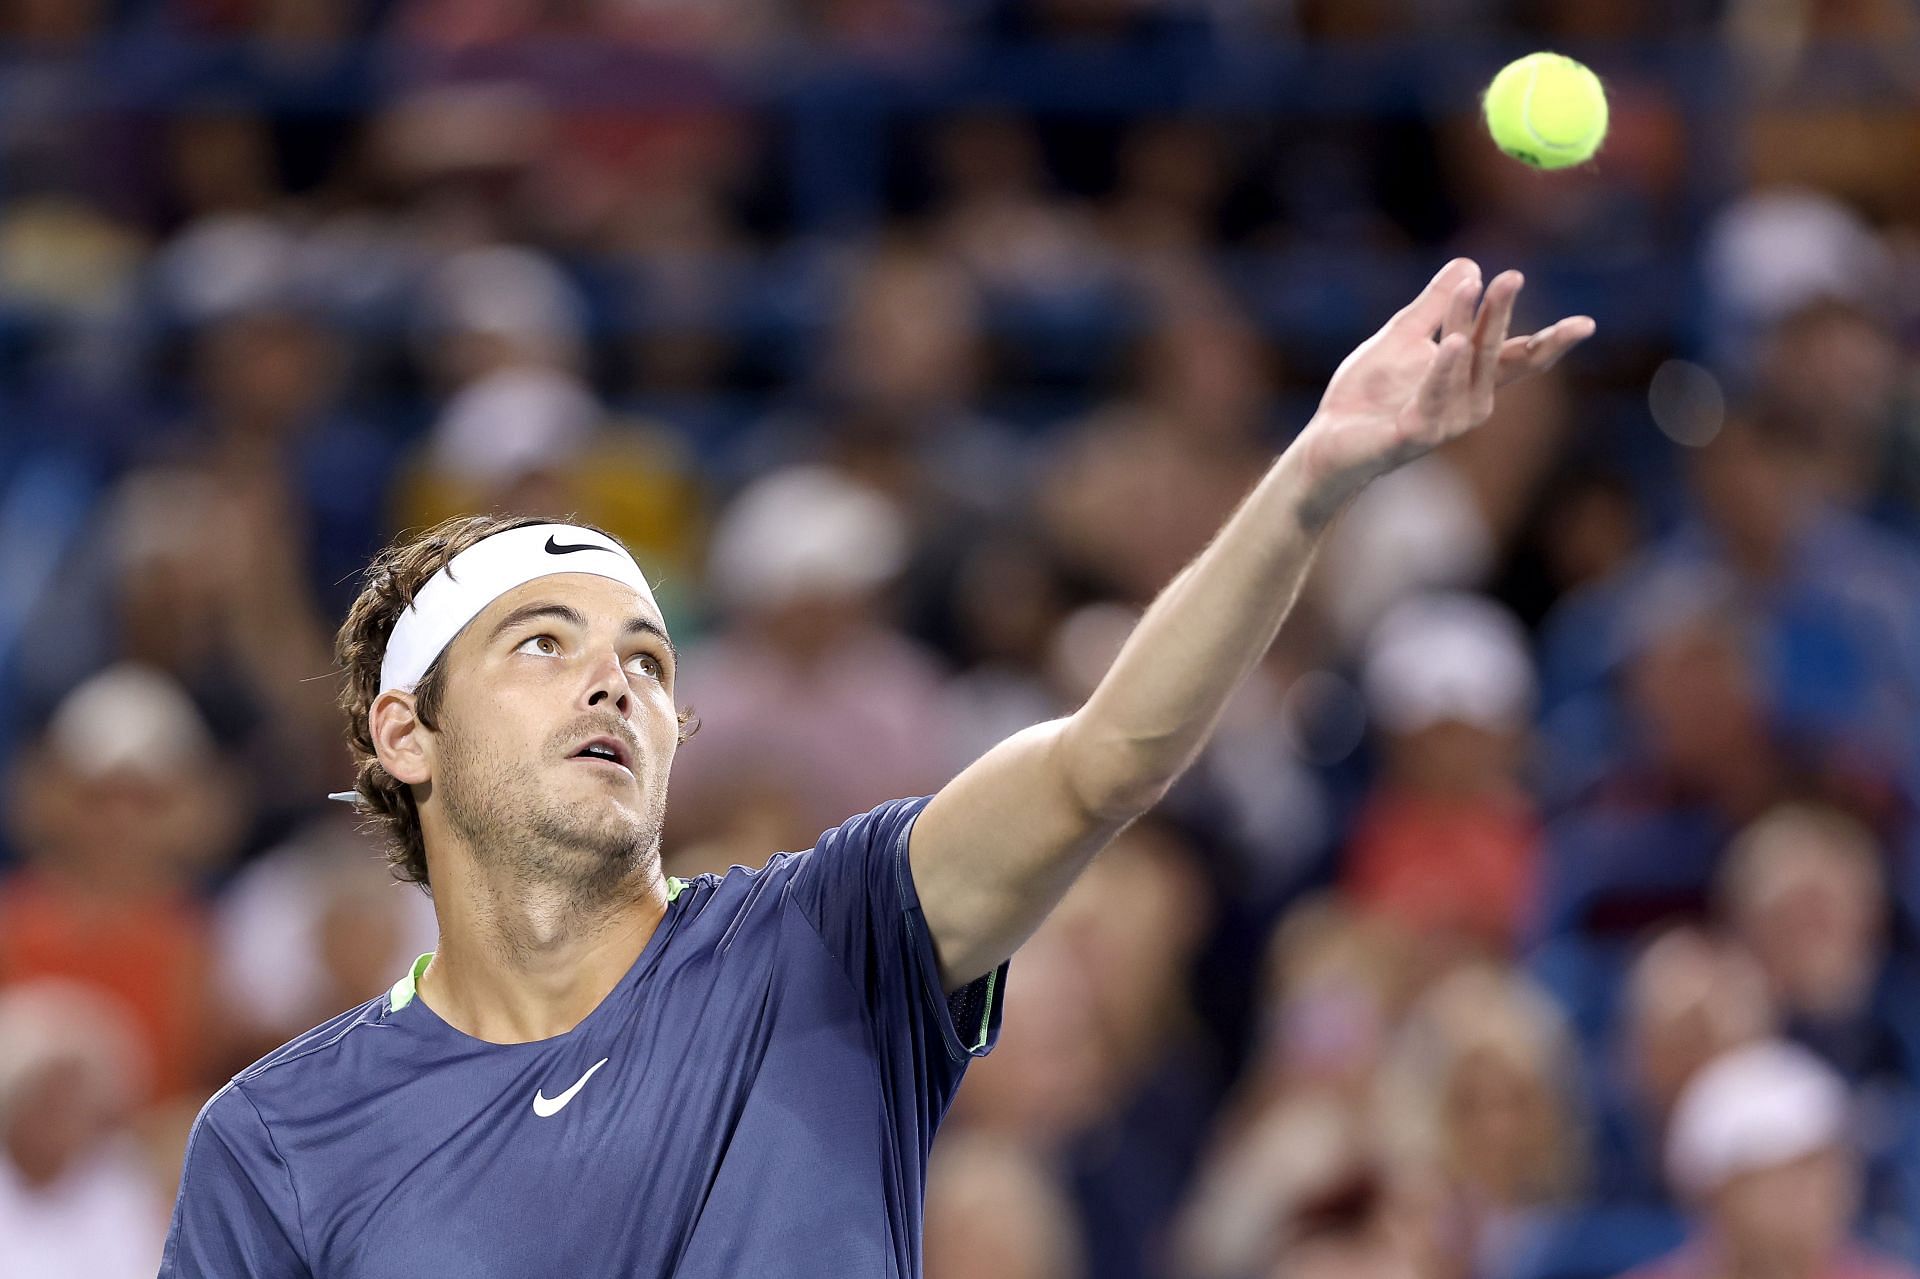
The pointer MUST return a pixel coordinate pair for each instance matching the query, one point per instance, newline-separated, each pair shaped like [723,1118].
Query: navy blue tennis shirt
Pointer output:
[757,1096]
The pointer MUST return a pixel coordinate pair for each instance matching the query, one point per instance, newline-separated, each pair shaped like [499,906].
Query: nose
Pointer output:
[608,686]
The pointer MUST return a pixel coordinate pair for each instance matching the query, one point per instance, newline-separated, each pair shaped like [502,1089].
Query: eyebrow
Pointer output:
[573,616]
[647,626]
[528,612]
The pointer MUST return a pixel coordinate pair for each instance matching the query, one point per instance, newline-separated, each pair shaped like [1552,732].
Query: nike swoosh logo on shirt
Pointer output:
[547,1108]
[568,548]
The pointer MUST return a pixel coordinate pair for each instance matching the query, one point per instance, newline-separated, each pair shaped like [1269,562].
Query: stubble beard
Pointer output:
[592,858]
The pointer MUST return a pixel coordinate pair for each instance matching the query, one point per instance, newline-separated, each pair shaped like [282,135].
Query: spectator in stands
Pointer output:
[1008,602]
[1001,215]
[309,929]
[1825,601]
[1174,176]
[810,704]
[522,432]
[1759,1152]
[1688,998]
[1134,922]
[1447,842]
[1304,1188]
[79,1198]
[995,1212]
[208,587]
[503,331]
[1835,595]
[1058,1081]
[1804,888]
[895,405]
[1481,1103]
[1830,374]
[270,425]
[124,805]
[1422,529]
[900,390]
[1690,756]
[1134,490]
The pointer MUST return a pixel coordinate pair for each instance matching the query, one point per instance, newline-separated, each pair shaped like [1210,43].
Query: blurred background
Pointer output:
[1549,897]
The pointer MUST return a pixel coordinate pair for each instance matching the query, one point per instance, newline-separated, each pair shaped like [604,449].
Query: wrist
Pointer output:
[1324,483]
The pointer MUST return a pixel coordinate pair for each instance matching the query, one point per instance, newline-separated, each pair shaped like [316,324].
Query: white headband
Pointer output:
[481,574]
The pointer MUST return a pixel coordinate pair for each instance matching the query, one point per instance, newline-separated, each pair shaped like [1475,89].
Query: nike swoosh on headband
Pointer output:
[561,548]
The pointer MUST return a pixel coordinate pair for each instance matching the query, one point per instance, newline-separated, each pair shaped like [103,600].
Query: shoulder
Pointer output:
[882,826]
[312,1064]
[845,863]
[736,886]
[229,1142]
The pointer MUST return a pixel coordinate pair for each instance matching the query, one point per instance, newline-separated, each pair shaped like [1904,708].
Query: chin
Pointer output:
[616,829]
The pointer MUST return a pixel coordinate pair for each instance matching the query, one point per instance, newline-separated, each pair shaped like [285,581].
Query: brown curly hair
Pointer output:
[392,580]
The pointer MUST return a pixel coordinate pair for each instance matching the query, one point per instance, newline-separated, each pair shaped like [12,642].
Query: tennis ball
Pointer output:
[1547,110]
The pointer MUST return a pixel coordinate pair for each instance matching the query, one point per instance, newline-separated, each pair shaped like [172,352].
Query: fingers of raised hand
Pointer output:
[1459,317]
[1522,356]
[1426,312]
[1490,333]
[1443,392]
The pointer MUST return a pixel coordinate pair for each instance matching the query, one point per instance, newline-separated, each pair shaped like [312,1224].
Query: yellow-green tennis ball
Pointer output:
[1547,110]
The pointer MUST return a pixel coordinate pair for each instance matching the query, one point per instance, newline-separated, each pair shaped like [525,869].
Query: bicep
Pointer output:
[998,846]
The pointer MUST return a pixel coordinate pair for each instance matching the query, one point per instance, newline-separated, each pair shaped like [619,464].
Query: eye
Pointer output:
[649,665]
[544,645]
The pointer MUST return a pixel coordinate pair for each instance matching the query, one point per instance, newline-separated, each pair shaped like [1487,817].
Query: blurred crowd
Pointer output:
[1548,904]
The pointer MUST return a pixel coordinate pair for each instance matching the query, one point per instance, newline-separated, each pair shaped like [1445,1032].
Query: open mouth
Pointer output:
[606,750]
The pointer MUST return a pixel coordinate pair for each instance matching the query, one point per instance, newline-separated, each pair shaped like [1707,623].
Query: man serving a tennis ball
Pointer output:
[604,1071]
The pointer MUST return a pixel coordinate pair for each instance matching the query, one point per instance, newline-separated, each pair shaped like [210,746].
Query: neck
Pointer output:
[523,959]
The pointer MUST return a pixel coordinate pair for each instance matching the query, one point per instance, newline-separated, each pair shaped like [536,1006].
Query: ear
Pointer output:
[403,744]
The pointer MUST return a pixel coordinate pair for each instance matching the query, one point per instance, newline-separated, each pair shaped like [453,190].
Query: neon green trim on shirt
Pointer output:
[986,1011]
[404,990]
[674,885]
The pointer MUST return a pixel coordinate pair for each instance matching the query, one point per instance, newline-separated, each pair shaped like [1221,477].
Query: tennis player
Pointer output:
[603,1071]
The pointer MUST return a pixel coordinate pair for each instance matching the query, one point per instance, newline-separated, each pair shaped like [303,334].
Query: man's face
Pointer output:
[546,682]
[1795,1212]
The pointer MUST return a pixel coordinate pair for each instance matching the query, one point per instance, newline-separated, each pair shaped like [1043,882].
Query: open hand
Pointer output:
[1405,391]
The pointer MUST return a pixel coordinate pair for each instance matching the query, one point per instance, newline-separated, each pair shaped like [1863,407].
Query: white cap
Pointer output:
[130,718]
[1755,1107]
[512,422]
[1418,529]
[57,1022]
[1448,656]
[1774,251]
[806,531]
[508,292]
[228,263]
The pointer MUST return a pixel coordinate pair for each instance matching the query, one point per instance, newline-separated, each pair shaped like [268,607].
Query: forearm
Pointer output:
[1155,708]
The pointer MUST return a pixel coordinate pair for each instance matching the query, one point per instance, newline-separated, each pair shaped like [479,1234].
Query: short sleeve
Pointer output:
[856,887]
[237,1216]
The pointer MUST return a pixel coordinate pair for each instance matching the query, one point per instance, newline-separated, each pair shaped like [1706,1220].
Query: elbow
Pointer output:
[1113,779]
